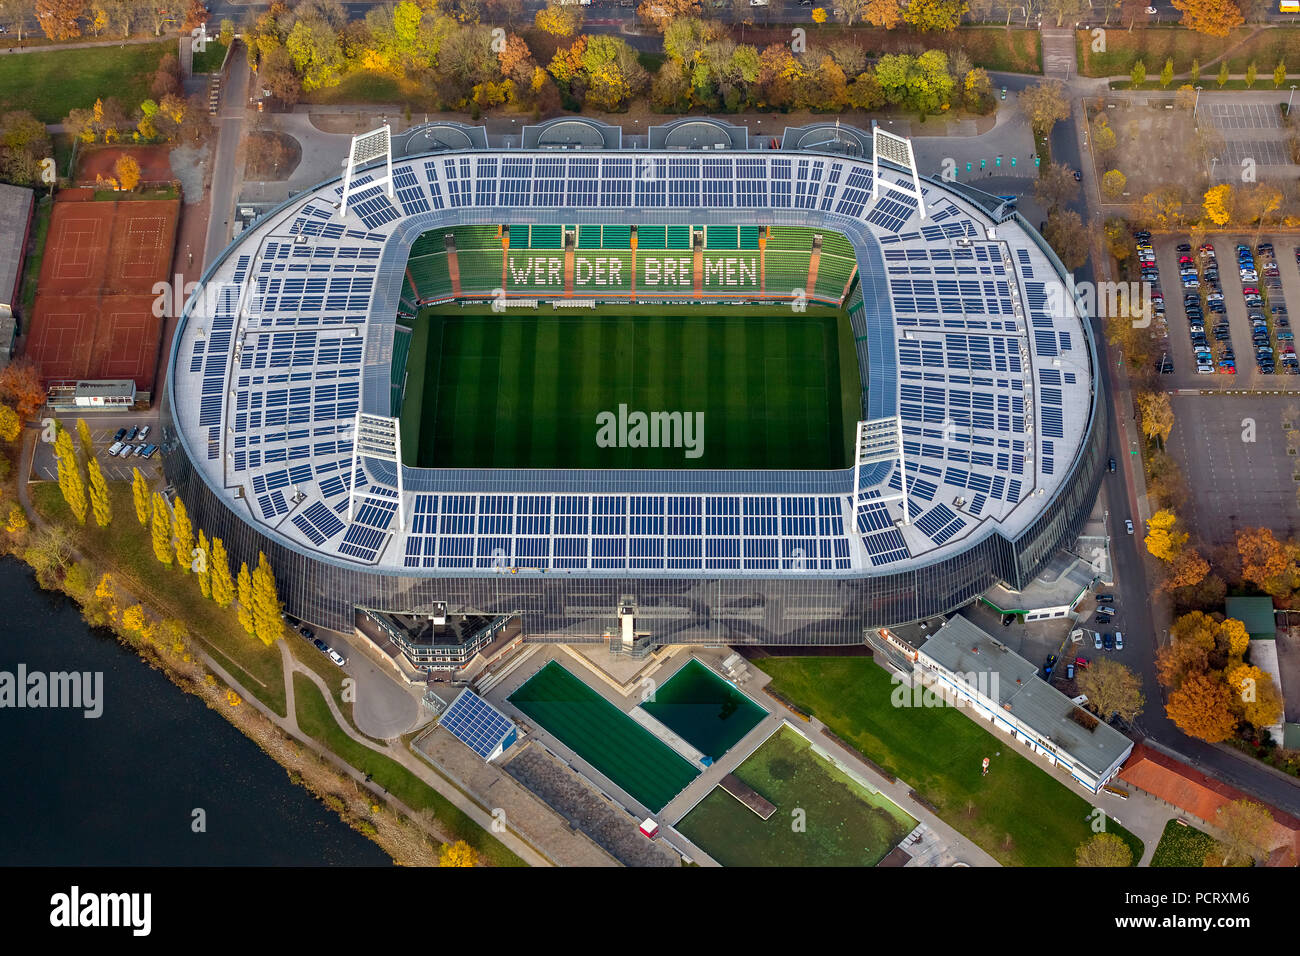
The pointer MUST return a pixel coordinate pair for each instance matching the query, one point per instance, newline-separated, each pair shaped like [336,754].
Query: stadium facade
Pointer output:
[995,397]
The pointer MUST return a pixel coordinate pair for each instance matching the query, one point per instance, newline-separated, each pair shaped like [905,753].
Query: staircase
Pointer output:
[1059,53]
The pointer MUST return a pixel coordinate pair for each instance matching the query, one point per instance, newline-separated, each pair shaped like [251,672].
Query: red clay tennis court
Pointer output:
[93,317]
[155,163]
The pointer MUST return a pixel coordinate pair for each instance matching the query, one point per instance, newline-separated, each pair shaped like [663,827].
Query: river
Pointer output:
[122,789]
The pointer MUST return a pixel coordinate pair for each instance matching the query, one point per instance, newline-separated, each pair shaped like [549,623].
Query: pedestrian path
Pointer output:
[1059,52]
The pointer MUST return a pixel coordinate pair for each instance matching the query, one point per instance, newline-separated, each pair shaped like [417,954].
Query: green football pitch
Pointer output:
[601,734]
[753,388]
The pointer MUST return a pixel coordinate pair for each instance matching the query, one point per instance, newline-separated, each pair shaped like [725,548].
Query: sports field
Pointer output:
[823,817]
[601,734]
[734,388]
[704,710]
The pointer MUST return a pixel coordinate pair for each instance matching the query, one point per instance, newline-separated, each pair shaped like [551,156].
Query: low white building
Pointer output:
[998,685]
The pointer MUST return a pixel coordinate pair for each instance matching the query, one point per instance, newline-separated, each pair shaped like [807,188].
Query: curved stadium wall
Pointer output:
[779,607]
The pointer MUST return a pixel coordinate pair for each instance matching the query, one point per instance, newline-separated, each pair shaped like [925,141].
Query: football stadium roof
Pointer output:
[293,334]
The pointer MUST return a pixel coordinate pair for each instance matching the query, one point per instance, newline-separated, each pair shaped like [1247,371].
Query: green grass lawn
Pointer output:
[1019,814]
[1183,846]
[315,720]
[32,267]
[365,87]
[843,823]
[209,61]
[74,79]
[524,390]
[125,549]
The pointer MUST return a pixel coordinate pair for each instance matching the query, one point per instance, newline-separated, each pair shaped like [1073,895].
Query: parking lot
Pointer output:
[1235,483]
[1278,293]
[102,430]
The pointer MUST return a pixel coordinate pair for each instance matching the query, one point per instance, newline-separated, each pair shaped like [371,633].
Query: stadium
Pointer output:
[705,388]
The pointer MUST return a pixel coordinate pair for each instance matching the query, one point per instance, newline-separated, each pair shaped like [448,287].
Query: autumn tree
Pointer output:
[245,591]
[1216,18]
[59,18]
[135,622]
[1271,565]
[883,13]
[1255,696]
[84,436]
[182,535]
[661,13]
[926,16]
[128,172]
[223,587]
[140,494]
[1138,75]
[71,483]
[1111,688]
[1045,104]
[1252,74]
[17,523]
[1163,539]
[100,503]
[1222,77]
[1279,74]
[1066,234]
[1113,184]
[1187,570]
[1167,73]
[1220,203]
[1157,415]
[20,383]
[161,530]
[11,425]
[1055,186]
[1201,707]
[563,20]
[459,853]
[1246,828]
[1103,850]
[202,567]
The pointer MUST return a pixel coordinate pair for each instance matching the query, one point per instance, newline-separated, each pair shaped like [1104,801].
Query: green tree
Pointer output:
[1139,74]
[1167,74]
[204,570]
[1222,78]
[1104,850]
[245,609]
[1113,183]
[182,535]
[140,492]
[1251,73]
[1196,72]
[161,530]
[71,483]
[1279,74]
[100,503]
[223,587]
[314,46]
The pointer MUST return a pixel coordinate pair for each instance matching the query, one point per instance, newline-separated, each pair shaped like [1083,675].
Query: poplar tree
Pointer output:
[71,483]
[87,443]
[246,600]
[223,588]
[182,535]
[266,603]
[161,530]
[99,500]
[140,491]
[204,570]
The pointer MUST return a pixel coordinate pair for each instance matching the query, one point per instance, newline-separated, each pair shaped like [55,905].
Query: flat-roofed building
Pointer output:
[16,206]
[1000,686]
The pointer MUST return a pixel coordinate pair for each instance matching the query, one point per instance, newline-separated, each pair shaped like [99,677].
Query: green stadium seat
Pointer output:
[545,237]
[601,270]
[678,237]
[748,238]
[797,238]
[431,275]
[729,272]
[589,236]
[651,237]
[836,244]
[616,237]
[720,237]
[833,272]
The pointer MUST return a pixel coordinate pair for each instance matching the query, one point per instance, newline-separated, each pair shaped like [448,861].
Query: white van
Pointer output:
[115,448]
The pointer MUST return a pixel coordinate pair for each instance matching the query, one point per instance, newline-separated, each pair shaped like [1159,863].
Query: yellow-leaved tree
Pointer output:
[182,536]
[1163,539]
[459,853]
[202,569]
[245,610]
[1220,202]
[223,587]
[140,492]
[161,530]
[100,503]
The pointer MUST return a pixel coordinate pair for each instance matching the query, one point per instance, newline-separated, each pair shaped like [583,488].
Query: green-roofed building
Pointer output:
[1256,613]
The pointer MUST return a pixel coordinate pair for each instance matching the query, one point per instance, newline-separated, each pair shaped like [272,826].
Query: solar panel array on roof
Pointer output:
[477,724]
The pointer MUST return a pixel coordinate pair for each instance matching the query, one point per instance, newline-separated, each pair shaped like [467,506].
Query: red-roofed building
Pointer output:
[1200,797]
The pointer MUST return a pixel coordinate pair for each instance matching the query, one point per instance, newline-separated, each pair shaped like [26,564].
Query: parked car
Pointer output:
[1069,671]
[1111,464]
[116,446]
[1096,641]
[144,432]
[1105,599]
[149,450]
[1103,618]
[1081,661]
[1108,642]
[337,658]
[320,645]
[1128,525]
[119,434]
[1105,609]
[1119,640]
[130,436]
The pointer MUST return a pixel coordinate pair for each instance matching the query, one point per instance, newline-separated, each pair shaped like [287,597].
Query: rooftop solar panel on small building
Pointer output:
[478,725]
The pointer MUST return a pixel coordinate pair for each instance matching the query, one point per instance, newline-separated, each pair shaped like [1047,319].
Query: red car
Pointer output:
[1081,661]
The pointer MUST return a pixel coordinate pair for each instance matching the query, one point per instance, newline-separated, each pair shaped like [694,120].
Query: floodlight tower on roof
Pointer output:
[879,440]
[896,149]
[366,148]
[377,436]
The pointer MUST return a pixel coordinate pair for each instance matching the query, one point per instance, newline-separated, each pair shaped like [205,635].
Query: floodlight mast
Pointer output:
[879,440]
[366,148]
[378,437]
[898,150]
